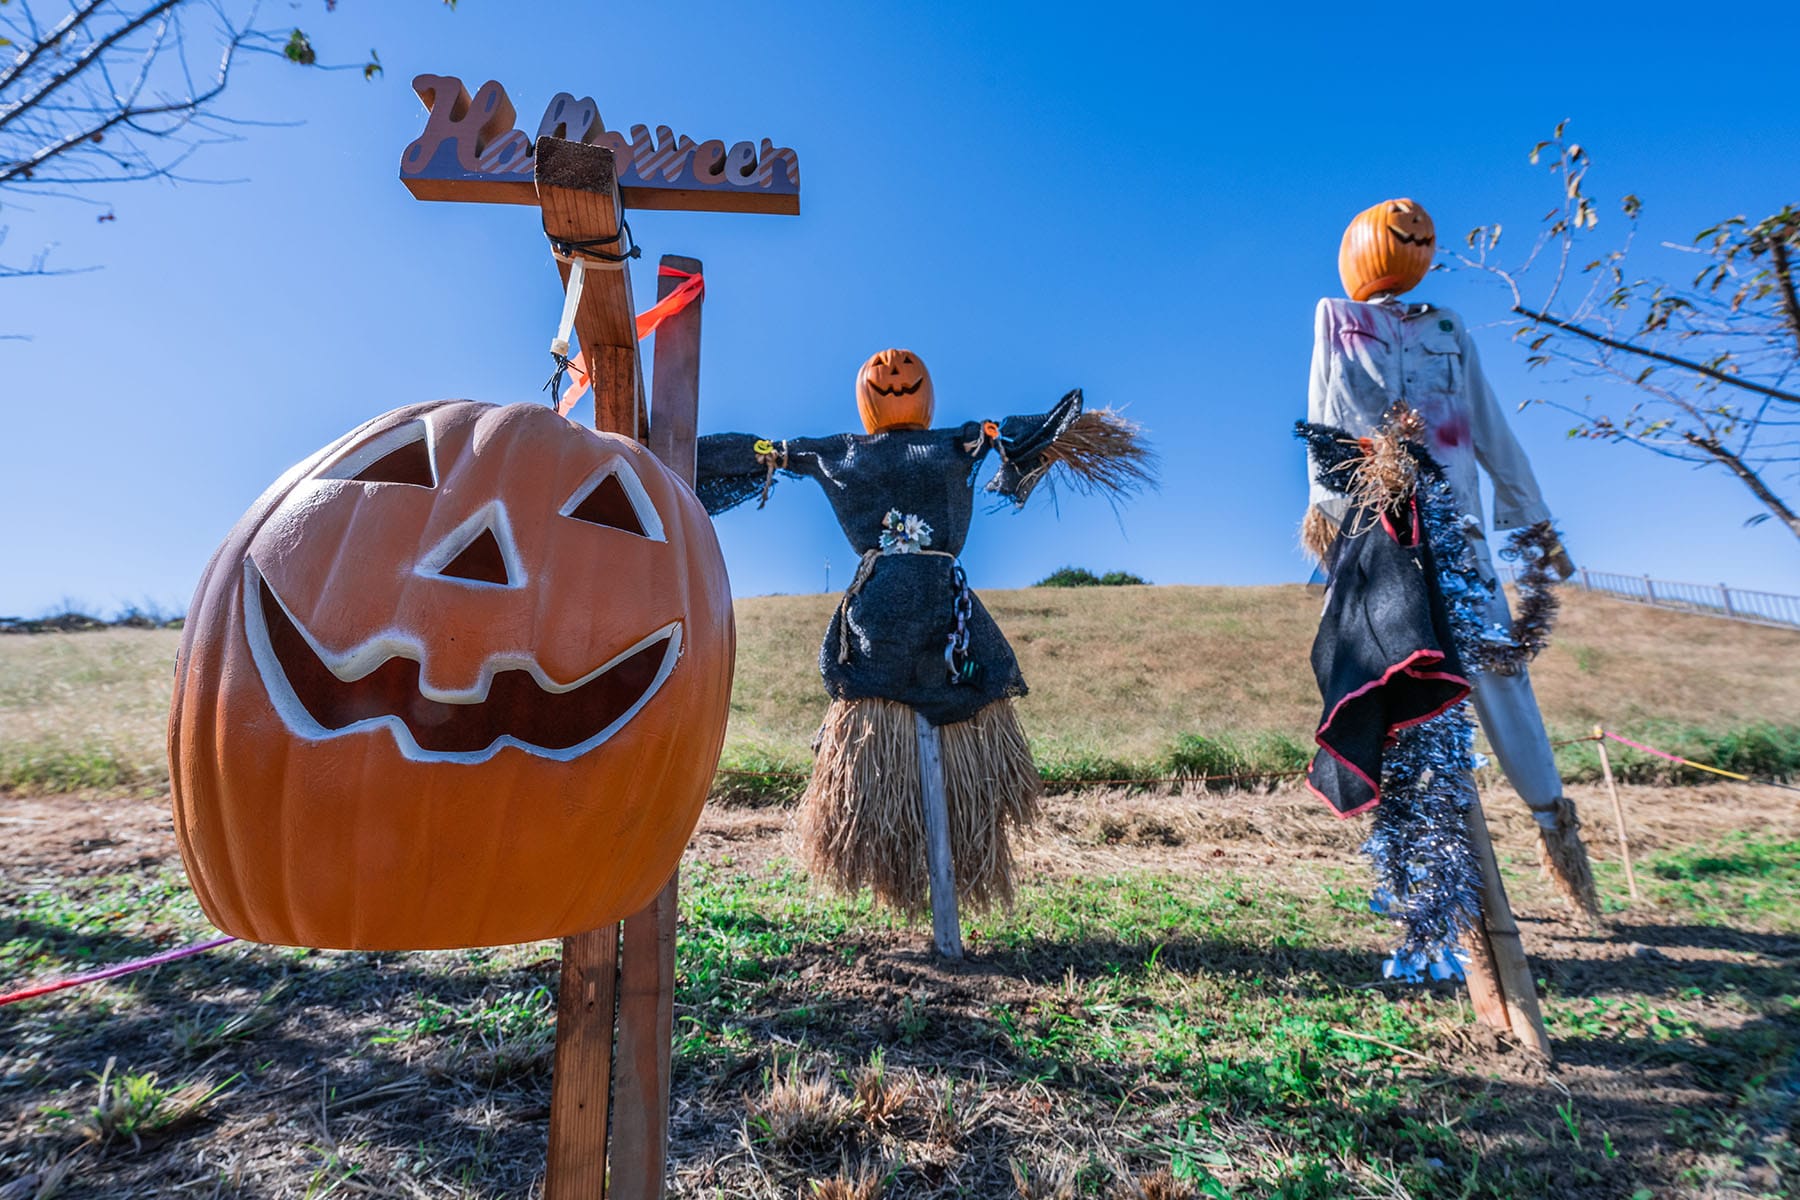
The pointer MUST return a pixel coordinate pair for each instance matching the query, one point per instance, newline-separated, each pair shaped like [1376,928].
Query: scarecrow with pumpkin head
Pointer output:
[1373,351]
[909,635]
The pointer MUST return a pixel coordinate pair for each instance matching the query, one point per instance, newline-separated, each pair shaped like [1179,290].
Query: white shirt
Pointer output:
[1368,355]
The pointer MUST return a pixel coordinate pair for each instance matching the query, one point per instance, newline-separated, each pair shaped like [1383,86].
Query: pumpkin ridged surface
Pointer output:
[341,840]
[1374,257]
[894,391]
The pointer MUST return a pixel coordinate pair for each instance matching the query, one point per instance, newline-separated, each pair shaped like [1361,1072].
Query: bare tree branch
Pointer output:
[1748,385]
[1688,357]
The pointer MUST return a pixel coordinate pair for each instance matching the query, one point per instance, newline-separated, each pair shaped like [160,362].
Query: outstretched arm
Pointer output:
[732,467]
[1097,451]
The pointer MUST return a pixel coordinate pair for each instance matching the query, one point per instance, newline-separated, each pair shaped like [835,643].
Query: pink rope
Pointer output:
[1664,754]
[142,964]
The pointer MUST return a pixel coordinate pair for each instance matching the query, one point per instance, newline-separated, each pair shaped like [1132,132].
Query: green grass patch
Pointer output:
[89,766]
[1763,751]
[754,776]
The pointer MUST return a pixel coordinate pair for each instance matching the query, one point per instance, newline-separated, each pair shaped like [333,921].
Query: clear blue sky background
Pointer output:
[1144,201]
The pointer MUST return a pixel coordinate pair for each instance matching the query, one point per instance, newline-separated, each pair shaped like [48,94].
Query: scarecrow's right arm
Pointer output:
[1325,507]
[732,467]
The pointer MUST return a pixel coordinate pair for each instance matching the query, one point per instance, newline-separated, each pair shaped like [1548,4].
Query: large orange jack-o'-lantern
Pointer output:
[893,391]
[459,679]
[1387,248]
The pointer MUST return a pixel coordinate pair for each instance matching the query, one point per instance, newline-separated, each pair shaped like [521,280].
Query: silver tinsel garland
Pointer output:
[1429,880]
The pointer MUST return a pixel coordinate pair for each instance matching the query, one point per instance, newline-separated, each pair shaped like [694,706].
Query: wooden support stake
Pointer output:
[1512,970]
[632,963]
[581,1085]
[577,187]
[1618,811]
[1483,980]
[640,1140]
[675,404]
[946,926]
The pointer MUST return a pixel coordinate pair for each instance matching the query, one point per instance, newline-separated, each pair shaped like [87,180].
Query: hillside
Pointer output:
[1123,671]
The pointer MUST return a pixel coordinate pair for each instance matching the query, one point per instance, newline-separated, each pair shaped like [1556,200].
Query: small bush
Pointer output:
[1082,577]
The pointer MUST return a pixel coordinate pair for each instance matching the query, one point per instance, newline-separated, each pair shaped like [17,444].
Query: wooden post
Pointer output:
[577,188]
[1618,811]
[1511,969]
[632,962]
[946,925]
[582,1082]
[640,1141]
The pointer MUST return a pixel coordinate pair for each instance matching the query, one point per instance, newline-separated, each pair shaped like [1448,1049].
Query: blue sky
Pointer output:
[1032,198]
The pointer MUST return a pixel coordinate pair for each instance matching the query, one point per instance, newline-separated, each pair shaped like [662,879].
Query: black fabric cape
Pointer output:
[901,616]
[1384,655]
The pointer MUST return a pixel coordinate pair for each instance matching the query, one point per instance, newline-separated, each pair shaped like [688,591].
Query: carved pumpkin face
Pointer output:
[1387,248]
[460,679]
[893,391]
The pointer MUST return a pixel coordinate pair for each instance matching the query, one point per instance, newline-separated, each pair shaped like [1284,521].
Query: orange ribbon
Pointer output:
[691,289]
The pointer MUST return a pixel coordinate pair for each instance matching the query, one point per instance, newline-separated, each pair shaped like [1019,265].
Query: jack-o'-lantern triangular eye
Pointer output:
[616,500]
[400,455]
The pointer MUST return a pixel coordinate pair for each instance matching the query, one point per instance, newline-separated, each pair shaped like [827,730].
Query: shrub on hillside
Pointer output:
[1082,577]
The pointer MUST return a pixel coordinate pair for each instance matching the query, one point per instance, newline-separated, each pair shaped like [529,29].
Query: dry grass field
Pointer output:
[1120,671]
[1185,1003]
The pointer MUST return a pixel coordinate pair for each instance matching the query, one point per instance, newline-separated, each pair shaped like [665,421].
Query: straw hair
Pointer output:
[861,819]
[1100,451]
[1565,860]
[1317,532]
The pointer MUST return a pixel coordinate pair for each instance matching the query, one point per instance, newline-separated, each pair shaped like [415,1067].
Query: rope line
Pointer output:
[113,972]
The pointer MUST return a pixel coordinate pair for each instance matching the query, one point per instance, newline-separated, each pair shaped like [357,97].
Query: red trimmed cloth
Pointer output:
[1384,656]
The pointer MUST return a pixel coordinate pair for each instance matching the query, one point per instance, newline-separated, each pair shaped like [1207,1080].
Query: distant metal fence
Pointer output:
[1712,599]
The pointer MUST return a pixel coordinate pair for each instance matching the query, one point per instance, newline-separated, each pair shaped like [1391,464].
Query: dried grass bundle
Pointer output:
[862,819]
[1100,452]
[1317,532]
[1565,860]
[1384,477]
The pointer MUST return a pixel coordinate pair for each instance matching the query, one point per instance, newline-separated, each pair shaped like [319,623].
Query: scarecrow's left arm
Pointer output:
[1517,500]
[1097,450]
[732,467]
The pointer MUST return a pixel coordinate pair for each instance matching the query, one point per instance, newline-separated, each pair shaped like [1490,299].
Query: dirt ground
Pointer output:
[334,1089]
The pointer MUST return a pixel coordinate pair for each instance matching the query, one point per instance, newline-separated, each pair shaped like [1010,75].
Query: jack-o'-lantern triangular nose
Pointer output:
[481,561]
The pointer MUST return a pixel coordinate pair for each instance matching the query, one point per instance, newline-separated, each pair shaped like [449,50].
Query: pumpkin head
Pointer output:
[893,391]
[459,679]
[1387,248]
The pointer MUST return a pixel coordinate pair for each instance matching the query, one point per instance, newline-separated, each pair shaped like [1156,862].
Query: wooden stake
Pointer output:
[577,188]
[632,963]
[581,1085]
[1483,982]
[1512,970]
[640,1139]
[1618,811]
[946,925]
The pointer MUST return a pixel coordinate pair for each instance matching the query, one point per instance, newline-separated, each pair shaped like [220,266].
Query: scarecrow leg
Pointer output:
[946,926]
[1511,970]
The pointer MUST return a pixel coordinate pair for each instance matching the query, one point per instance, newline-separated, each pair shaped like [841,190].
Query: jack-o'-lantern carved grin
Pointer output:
[381,684]
[1387,248]
[893,391]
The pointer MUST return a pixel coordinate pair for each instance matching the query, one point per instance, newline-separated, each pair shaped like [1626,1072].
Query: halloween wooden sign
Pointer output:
[470,150]
[1387,248]
[459,679]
